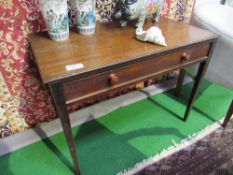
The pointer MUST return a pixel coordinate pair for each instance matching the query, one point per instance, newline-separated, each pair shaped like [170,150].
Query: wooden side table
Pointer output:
[87,66]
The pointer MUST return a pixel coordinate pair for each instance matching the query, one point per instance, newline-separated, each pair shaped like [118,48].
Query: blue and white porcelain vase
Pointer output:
[86,16]
[55,13]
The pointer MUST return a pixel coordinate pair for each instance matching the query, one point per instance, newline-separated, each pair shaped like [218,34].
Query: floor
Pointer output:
[33,135]
[212,155]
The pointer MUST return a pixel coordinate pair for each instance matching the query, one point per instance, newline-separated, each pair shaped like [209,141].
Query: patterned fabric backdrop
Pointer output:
[24,101]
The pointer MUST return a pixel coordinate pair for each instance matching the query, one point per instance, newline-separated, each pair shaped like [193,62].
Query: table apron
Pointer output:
[80,89]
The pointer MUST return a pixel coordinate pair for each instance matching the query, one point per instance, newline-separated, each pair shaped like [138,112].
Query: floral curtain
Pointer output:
[24,101]
[179,10]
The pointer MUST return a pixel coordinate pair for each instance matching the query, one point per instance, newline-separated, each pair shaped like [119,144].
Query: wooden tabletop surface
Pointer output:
[110,45]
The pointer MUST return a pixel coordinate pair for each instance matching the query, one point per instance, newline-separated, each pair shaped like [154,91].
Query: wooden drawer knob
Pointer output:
[185,56]
[113,79]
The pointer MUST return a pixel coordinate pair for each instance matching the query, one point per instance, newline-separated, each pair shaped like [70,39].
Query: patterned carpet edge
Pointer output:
[211,155]
[176,147]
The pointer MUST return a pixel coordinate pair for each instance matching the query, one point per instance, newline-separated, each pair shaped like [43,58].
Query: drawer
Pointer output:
[79,89]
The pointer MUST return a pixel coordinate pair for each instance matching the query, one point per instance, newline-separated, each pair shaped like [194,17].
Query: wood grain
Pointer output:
[109,46]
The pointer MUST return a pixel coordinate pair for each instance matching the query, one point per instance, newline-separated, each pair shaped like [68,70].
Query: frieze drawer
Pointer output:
[102,82]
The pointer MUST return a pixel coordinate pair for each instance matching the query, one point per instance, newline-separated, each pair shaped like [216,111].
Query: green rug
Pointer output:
[124,137]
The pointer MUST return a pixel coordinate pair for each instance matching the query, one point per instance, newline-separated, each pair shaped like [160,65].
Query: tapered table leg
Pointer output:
[229,114]
[200,74]
[197,82]
[179,82]
[60,105]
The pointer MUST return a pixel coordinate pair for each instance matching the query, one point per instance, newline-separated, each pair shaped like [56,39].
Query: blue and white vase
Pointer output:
[86,16]
[55,13]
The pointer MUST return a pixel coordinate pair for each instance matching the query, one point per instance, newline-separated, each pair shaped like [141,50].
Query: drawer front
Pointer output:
[99,83]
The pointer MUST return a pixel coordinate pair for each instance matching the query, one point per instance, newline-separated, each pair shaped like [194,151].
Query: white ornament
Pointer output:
[153,35]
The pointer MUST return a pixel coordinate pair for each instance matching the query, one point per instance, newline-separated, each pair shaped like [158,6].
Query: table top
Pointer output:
[109,46]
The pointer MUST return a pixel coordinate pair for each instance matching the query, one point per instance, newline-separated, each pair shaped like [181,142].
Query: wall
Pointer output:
[198,2]
[220,68]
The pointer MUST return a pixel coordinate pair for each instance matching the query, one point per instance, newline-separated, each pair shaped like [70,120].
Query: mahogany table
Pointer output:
[86,66]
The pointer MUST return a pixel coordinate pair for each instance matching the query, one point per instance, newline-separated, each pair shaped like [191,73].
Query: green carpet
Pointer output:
[123,137]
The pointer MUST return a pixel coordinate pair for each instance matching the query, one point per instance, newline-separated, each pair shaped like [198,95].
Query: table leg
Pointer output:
[229,114]
[179,82]
[60,105]
[200,74]
[197,82]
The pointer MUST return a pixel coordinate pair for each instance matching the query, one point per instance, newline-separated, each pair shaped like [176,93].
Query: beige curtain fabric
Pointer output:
[179,10]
